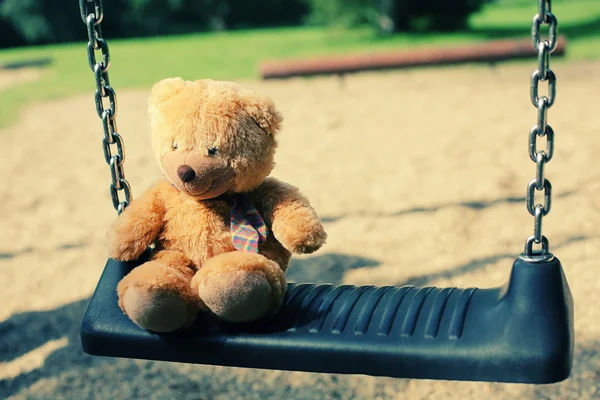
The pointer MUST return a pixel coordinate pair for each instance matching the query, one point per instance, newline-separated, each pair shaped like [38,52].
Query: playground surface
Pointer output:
[419,176]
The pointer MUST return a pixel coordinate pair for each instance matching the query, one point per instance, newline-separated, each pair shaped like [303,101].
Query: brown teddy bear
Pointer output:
[223,232]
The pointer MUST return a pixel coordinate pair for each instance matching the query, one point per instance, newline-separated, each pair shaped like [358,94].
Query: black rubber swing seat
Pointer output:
[519,332]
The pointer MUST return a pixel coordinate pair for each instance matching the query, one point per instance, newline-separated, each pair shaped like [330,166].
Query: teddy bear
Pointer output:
[221,230]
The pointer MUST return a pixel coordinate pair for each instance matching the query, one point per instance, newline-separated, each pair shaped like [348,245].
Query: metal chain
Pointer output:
[92,14]
[543,74]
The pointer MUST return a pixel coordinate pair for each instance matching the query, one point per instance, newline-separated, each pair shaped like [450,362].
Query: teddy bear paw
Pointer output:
[157,310]
[237,296]
[309,246]
[157,297]
[309,243]
[300,238]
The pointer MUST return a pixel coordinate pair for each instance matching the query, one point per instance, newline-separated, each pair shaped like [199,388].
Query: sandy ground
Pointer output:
[12,77]
[420,176]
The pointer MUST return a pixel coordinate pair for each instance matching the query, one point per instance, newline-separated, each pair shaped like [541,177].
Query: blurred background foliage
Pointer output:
[388,16]
[34,22]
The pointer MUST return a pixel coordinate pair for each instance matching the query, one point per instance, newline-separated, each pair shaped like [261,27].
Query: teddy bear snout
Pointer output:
[186,173]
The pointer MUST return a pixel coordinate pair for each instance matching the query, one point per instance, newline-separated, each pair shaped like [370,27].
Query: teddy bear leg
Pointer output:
[157,295]
[241,287]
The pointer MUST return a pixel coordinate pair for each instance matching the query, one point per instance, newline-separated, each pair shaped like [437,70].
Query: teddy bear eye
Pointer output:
[212,151]
[174,145]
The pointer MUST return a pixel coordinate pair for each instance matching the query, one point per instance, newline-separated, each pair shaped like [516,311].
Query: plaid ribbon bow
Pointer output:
[248,229]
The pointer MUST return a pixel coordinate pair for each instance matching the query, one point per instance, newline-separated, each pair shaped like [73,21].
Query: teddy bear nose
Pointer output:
[186,173]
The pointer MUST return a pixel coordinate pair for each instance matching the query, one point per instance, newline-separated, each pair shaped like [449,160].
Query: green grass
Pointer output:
[236,55]
[579,21]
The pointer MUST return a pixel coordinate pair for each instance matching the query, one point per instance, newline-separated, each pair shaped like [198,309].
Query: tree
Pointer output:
[395,15]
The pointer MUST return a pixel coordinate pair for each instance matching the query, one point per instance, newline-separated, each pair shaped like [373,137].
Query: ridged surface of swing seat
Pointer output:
[519,332]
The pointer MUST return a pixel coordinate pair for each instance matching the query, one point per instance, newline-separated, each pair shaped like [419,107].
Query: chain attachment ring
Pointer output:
[536,256]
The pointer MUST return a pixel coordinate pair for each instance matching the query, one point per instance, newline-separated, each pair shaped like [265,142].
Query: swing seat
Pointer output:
[519,332]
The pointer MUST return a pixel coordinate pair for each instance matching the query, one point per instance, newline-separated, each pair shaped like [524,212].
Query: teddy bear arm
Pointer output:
[293,220]
[137,226]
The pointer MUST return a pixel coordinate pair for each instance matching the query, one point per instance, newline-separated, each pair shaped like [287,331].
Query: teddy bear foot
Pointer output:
[158,309]
[241,287]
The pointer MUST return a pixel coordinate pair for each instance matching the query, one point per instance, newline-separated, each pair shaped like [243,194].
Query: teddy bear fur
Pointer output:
[212,140]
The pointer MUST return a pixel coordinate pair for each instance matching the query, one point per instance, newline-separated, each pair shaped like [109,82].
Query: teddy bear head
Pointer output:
[212,137]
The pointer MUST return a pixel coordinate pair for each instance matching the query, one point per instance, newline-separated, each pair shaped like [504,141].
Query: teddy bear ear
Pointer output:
[163,90]
[263,111]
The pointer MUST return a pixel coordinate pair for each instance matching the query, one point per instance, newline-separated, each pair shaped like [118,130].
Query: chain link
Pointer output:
[536,78]
[91,7]
[92,14]
[543,74]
